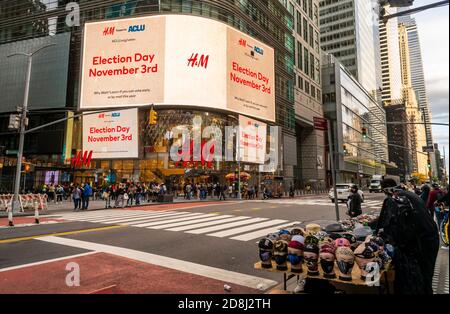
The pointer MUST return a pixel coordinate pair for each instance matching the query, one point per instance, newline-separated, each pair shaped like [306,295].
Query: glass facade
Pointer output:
[354,109]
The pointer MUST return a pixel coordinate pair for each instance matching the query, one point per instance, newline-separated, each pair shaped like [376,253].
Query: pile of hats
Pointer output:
[369,220]
[324,249]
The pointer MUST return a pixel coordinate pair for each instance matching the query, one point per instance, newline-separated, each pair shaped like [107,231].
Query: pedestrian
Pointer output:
[435,194]
[425,193]
[87,193]
[222,191]
[107,197]
[120,199]
[59,194]
[76,196]
[354,202]
[406,224]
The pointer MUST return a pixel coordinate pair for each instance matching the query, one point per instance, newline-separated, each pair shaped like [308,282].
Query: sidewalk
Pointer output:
[67,206]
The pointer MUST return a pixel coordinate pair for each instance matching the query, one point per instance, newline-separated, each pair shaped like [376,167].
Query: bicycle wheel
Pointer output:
[444,231]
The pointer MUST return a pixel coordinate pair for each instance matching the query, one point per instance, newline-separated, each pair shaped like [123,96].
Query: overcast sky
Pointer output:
[433,28]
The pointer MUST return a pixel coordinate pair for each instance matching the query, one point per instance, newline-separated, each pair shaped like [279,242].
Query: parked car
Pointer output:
[343,191]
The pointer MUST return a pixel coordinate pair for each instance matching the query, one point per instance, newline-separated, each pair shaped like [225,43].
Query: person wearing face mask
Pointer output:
[354,202]
[406,224]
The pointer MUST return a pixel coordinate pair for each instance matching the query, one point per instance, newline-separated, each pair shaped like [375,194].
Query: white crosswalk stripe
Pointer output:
[190,222]
[143,217]
[370,204]
[207,224]
[238,228]
[261,233]
[161,222]
[252,227]
[227,226]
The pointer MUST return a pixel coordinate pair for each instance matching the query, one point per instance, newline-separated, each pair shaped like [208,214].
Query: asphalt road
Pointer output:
[199,244]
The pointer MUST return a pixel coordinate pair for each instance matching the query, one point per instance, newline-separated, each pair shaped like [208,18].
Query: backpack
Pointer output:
[403,224]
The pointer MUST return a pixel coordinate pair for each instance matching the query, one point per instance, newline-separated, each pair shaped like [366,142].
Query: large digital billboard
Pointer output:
[111,135]
[176,60]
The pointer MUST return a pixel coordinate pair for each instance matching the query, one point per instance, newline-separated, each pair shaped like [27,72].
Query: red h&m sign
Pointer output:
[82,160]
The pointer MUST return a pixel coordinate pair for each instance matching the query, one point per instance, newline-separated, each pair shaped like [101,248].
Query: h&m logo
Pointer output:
[82,160]
[109,31]
[136,28]
[242,42]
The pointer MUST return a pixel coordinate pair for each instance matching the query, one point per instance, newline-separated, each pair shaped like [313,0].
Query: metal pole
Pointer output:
[239,162]
[23,122]
[333,168]
[16,203]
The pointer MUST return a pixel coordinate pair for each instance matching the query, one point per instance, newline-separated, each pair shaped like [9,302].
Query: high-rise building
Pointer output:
[310,143]
[401,143]
[352,109]
[417,72]
[349,30]
[390,60]
[415,116]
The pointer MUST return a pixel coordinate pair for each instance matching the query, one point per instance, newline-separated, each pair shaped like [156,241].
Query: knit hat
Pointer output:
[299,238]
[328,248]
[297,231]
[296,245]
[266,244]
[313,228]
[281,247]
[336,227]
[311,244]
[342,242]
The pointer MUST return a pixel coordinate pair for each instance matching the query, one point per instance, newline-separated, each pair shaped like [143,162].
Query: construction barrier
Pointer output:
[26,201]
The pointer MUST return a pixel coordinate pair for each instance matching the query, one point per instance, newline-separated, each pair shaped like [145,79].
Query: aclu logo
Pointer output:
[116,114]
[136,28]
[259,50]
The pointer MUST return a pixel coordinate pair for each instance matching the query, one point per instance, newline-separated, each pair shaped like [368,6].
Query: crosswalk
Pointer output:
[368,204]
[239,228]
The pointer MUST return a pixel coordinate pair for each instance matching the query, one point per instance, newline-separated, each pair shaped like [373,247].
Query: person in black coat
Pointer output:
[414,236]
[354,202]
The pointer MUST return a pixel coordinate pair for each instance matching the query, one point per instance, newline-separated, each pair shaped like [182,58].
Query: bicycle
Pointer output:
[443,228]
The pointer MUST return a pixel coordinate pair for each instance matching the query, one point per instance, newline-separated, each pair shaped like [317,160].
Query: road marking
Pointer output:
[256,209]
[227,233]
[237,210]
[144,217]
[264,232]
[186,217]
[207,224]
[227,226]
[46,261]
[227,276]
[184,223]
[59,234]
[103,213]
[109,217]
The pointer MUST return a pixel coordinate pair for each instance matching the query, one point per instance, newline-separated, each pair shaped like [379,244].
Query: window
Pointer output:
[300,82]
[300,56]
[306,61]
[299,23]
[313,91]
[305,29]
[307,87]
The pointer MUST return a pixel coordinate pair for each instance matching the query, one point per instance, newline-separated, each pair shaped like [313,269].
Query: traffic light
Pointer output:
[14,122]
[429,164]
[345,150]
[153,117]
[364,133]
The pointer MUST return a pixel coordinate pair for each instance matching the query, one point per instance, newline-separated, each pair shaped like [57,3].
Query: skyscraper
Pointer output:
[349,31]
[390,60]
[417,72]
[419,140]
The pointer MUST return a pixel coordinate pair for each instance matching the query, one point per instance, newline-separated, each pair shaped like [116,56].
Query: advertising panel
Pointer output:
[111,135]
[176,60]
[253,140]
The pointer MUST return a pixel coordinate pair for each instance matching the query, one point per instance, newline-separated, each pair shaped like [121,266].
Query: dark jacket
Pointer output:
[415,253]
[355,202]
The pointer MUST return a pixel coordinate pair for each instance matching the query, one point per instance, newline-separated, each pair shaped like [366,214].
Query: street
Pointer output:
[181,248]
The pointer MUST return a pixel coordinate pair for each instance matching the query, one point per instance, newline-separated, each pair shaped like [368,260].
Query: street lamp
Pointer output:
[23,124]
